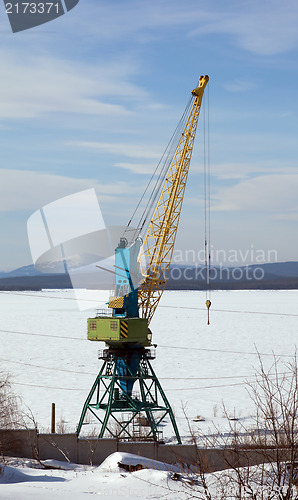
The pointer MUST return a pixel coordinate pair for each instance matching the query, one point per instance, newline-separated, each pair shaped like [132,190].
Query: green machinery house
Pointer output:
[113,330]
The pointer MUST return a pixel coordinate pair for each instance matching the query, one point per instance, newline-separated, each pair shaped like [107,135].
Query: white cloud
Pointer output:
[272,193]
[242,170]
[137,168]
[32,86]
[262,27]
[119,148]
[240,85]
[265,28]
[287,216]
[144,20]
[26,189]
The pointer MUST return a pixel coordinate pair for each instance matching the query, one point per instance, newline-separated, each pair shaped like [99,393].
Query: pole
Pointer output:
[53,419]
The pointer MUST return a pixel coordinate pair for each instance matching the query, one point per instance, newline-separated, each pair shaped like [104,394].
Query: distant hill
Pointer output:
[20,272]
[285,269]
[276,276]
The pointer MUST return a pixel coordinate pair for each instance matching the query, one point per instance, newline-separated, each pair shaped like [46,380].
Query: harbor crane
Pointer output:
[142,268]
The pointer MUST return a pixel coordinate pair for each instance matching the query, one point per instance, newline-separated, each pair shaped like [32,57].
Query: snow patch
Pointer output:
[110,464]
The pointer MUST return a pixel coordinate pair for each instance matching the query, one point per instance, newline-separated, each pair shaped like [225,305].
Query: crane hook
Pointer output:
[208,305]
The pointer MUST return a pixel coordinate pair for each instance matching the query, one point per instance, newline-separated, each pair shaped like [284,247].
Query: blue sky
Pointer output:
[92,98]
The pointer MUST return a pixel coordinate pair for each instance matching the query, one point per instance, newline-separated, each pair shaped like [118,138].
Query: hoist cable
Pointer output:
[171,147]
[166,158]
[207,224]
[208,192]
[205,189]
[152,177]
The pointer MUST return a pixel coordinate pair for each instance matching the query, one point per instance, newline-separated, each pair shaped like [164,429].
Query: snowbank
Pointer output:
[110,464]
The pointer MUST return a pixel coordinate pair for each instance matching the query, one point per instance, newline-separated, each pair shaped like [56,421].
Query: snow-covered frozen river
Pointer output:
[44,347]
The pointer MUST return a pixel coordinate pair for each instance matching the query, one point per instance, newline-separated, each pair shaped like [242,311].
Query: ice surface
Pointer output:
[199,366]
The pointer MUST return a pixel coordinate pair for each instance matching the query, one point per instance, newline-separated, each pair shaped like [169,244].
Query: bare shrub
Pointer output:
[275,396]
[61,427]
[10,414]
[261,461]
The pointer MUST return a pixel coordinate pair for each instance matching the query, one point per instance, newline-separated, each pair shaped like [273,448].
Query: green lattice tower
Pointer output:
[107,401]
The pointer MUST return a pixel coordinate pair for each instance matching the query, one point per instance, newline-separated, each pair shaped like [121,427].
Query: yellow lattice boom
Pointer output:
[159,241]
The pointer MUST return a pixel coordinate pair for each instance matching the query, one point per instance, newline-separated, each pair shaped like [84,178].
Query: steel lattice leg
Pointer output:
[113,388]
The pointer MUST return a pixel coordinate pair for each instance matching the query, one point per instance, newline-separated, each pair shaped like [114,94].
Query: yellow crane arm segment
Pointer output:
[158,246]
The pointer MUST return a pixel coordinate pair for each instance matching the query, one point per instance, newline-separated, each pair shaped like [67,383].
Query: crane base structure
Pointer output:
[122,413]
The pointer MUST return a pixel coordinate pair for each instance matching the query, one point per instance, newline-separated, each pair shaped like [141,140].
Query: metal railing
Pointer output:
[108,354]
[103,312]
